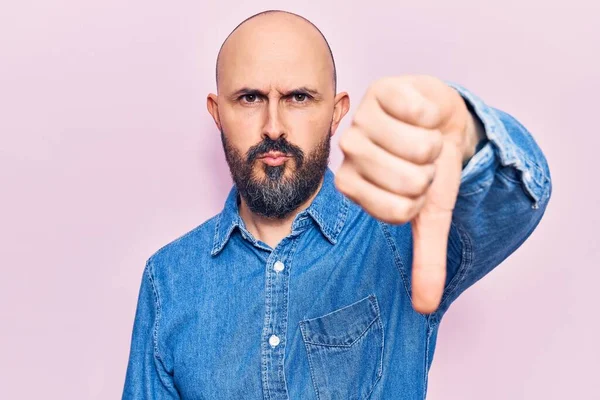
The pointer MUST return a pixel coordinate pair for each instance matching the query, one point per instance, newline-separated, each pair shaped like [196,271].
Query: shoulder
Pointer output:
[184,250]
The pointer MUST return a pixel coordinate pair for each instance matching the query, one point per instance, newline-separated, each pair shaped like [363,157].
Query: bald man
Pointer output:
[314,286]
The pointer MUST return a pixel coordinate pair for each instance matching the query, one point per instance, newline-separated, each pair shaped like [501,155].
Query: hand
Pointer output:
[403,157]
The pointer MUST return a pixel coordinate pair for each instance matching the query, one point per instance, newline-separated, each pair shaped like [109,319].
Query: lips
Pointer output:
[274,158]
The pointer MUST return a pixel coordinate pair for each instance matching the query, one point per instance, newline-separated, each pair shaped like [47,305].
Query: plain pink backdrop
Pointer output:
[107,153]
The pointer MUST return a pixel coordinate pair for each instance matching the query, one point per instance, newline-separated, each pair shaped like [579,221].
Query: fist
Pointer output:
[403,157]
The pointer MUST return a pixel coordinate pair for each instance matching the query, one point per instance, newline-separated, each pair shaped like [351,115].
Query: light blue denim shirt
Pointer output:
[327,313]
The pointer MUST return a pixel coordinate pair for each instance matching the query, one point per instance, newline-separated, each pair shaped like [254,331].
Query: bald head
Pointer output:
[275,36]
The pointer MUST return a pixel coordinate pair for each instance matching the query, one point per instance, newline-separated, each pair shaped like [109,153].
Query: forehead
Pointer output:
[275,52]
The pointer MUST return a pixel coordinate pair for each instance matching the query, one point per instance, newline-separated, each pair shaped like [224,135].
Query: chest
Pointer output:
[307,318]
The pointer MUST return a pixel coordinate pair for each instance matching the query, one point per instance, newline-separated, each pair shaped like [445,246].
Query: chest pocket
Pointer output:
[345,350]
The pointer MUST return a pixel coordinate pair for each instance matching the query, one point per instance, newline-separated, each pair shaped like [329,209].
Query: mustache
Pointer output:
[280,145]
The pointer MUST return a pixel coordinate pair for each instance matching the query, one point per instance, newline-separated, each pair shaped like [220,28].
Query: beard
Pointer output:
[281,189]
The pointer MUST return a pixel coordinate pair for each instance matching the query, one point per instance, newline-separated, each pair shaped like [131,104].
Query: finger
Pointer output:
[430,241]
[379,203]
[385,170]
[401,100]
[413,143]
[430,232]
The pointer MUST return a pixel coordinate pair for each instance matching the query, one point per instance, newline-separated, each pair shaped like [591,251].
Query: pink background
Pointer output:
[108,153]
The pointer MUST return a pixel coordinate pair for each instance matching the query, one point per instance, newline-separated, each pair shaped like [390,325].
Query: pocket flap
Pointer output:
[341,327]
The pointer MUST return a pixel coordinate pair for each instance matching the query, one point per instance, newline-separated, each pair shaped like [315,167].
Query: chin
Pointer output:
[285,170]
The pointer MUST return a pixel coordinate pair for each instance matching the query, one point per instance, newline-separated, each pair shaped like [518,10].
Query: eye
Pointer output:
[249,98]
[300,97]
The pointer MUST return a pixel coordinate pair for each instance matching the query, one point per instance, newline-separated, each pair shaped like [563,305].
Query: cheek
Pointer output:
[243,131]
[308,129]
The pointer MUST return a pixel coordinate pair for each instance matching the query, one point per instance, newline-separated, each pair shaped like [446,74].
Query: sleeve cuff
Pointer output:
[499,146]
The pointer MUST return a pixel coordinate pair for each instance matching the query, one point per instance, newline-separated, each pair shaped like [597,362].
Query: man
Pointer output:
[310,286]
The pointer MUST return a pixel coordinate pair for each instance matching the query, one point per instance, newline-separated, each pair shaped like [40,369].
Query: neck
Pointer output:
[272,230]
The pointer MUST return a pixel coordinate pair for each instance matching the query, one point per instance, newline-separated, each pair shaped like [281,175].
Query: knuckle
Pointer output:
[397,183]
[351,145]
[360,119]
[436,137]
[416,109]
[423,151]
[417,205]
[373,90]
[431,173]
[341,181]
[398,213]
[437,142]
[412,95]
[422,181]
[384,88]
[345,144]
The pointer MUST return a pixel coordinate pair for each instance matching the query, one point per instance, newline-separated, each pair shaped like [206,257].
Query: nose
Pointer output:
[273,127]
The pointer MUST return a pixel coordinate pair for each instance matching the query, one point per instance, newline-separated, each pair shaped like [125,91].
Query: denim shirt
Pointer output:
[327,313]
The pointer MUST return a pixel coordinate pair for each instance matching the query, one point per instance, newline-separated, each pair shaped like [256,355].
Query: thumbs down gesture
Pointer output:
[403,157]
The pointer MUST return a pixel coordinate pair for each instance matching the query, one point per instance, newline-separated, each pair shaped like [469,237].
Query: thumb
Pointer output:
[430,229]
[430,242]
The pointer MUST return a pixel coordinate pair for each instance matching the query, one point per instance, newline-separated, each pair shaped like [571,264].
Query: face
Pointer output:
[276,111]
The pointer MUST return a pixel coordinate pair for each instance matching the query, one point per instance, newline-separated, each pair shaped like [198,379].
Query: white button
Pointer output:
[278,266]
[274,340]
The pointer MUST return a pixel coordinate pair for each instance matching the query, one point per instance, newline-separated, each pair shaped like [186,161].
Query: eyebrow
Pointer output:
[248,90]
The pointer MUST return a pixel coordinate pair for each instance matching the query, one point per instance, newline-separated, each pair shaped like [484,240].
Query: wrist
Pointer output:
[475,132]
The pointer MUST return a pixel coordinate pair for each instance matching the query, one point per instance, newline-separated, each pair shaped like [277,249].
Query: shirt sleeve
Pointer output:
[146,377]
[504,190]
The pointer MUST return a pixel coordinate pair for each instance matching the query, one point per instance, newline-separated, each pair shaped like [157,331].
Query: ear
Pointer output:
[213,108]
[340,108]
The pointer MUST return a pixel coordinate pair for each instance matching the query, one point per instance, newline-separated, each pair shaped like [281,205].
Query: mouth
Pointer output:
[274,158]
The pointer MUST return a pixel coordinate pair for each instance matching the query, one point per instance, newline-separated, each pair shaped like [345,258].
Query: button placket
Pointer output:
[275,322]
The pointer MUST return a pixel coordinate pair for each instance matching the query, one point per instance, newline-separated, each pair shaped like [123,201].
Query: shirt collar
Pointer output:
[328,209]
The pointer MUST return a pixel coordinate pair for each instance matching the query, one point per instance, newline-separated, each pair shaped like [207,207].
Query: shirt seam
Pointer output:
[430,329]
[465,264]
[158,310]
[181,237]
